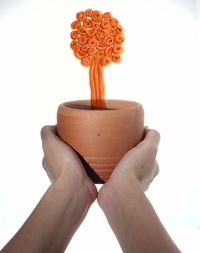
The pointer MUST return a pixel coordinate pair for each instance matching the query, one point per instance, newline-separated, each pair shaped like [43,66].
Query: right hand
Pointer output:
[127,209]
[138,165]
[140,162]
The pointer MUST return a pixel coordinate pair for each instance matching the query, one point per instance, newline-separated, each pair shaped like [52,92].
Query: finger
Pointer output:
[44,163]
[146,129]
[146,187]
[152,136]
[156,170]
[47,131]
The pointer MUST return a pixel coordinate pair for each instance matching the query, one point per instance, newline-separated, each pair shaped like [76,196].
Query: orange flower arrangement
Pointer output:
[97,41]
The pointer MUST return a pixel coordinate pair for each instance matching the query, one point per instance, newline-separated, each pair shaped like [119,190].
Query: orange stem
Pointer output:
[101,86]
[92,86]
[97,84]
[96,77]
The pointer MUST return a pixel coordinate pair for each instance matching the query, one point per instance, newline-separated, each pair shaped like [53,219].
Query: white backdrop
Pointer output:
[160,69]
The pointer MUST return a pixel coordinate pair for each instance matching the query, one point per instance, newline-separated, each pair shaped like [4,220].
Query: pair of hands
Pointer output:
[138,165]
[122,199]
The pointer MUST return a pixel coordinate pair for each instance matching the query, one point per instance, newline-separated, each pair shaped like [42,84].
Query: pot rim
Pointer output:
[115,105]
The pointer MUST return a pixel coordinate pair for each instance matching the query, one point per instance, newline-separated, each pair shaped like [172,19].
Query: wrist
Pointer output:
[78,183]
[117,192]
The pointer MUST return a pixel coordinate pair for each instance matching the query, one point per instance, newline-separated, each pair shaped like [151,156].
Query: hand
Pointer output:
[127,209]
[60,158]
[138,164]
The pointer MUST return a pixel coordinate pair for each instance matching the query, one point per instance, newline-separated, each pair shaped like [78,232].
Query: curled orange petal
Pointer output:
[76,24]
[87,23]
[81,16]
[101,46]
[85,61]
[92,42]
[116,58]
[107,15]
[105,24]
[82,30]
[108,51]
[83,48]
[100,54]
[91,51]
[74,35]
[79,54]
[118,49]
[114,22]
[105,60]
[119,29]
[82,40]
[111,31]
[119,38]
[74,45]
[96,25]
[88,12]
[91,33]
[100,34]
[97,16]
[109,40]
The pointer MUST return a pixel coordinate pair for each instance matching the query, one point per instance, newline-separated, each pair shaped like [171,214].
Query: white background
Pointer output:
[160,69]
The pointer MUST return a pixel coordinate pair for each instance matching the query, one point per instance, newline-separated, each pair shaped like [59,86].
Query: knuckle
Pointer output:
[45,146]
[44,132]
[157,171]
[156,132]
[43,163]
[152,149]
[146,187]
[156,135]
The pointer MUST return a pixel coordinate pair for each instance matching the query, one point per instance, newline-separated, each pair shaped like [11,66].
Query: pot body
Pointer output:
[103,136]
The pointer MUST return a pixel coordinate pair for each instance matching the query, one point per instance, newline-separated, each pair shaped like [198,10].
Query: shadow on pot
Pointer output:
[90,172]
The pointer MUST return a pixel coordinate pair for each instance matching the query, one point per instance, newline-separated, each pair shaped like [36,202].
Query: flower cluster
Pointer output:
[97,34]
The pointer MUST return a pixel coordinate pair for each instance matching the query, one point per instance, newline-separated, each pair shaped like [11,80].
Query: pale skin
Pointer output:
[63,207]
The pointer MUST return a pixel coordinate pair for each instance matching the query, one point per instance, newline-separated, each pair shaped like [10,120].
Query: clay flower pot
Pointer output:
[101,136]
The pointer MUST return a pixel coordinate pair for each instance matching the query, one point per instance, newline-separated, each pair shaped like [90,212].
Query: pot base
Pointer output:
[90,171]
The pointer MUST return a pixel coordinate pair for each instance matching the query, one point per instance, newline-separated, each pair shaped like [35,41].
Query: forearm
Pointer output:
[54,220]
[134,221]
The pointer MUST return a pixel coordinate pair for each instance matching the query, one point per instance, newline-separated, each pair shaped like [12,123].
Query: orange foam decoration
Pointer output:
[107,16]
[118,49]
[119,29]
[88,12]
[105,60]
[109,40]
[82,40]
[105,24]
[114,22]
[109,51]
[76,24]
[97,40]
[97,16]
[116,58]
[111,31]
[74,45]
[81,16]
[96,25]
[119,38]
[74,35]
[86,61]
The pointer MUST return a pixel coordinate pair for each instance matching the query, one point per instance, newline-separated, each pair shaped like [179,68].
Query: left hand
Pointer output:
[61,158]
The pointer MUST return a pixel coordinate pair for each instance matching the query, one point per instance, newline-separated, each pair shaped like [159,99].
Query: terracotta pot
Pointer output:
[101,136]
